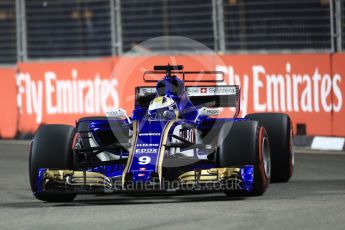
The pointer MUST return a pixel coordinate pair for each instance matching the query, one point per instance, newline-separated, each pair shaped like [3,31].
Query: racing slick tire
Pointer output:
[279,129]
[245,143]
[51,148]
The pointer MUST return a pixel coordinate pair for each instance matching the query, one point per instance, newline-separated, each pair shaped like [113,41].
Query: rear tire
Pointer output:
[279,129]
[245,143]
[51,148]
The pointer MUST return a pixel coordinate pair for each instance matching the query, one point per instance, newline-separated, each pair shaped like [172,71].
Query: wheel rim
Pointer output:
[266,157]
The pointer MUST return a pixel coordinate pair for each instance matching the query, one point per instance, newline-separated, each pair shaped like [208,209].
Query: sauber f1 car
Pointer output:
[172,142]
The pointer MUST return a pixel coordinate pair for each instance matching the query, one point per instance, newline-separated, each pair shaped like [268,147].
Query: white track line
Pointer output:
[308,150]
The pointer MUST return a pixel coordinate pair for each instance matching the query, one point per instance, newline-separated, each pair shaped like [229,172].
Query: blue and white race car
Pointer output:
[172,142]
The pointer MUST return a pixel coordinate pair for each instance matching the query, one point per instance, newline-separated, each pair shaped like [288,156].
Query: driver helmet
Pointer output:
[163,108]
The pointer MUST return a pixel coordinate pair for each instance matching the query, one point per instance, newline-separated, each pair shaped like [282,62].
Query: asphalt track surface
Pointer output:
[313,199]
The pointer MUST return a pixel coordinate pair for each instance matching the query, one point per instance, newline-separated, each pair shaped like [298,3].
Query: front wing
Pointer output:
[79,182]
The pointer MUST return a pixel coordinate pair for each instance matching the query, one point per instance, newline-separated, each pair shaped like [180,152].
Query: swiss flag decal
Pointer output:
[203,90]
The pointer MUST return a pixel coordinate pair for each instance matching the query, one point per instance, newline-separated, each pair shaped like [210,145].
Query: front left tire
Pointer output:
[51,148]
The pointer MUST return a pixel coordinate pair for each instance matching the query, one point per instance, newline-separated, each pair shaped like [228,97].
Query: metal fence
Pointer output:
[65,28]
[51,29]
[341,21]
[277,25]
[8,46]
[145,19]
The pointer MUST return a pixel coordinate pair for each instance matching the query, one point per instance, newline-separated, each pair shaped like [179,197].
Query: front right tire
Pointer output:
[242,143]
[279,129]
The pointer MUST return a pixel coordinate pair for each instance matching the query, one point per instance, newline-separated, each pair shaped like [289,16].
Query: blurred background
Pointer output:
[38,29]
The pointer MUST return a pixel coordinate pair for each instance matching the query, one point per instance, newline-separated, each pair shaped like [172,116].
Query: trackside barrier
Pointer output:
[309,87]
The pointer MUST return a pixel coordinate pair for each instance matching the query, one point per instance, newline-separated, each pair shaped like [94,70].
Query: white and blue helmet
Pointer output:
[163,108]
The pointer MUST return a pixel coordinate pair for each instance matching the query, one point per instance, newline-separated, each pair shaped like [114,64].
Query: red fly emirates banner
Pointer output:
[8,103]
[310,87]
[303,86]
[62,92]
[338,116]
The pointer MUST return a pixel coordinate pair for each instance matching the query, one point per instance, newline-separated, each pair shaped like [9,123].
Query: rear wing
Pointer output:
[218,76]
[200,96]
[170,70]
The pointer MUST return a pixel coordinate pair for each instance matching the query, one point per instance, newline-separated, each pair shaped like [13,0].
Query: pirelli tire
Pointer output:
[242,143]
[279,130]
[51,148]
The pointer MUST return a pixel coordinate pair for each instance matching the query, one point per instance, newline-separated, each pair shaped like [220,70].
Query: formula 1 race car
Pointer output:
[172,142]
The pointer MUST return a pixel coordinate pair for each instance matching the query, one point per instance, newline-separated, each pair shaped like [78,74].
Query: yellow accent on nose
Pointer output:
[158,99]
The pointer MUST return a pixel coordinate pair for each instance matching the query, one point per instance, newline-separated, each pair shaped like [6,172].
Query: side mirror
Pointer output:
[117,114]
[207,112]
